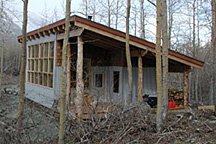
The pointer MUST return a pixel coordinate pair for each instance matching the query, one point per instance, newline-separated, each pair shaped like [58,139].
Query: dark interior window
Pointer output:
[116,81]
[98,80]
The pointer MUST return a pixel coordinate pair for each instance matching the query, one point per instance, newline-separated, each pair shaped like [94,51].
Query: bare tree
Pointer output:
[213,46]
[107,10]
[2,49]
[64,74]
[128,57]
[23,68]
[89,8]
[2,59]
[165,47]
[158,68]
[142,19]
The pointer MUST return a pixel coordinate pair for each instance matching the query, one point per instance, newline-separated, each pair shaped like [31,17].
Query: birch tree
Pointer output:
[64,74]
[22,79]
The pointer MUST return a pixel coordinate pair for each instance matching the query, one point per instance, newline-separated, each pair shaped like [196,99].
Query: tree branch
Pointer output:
[152,3]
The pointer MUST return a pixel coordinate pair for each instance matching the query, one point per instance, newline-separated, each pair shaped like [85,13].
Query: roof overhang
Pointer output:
[109,32]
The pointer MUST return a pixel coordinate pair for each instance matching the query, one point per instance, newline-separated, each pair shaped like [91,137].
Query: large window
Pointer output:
[40,64]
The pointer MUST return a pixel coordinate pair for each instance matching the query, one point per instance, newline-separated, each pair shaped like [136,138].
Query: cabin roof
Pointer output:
[113,33]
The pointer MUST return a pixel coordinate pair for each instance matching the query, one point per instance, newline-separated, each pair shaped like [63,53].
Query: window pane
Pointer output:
[46,50]
[41,50]
[36,51]
[40,79]
[51,65]
[51,50]
[116,81]
[98,80]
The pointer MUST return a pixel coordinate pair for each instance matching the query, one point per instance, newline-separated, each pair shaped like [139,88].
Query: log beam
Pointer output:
[68,98]
[140,75]
[79,78]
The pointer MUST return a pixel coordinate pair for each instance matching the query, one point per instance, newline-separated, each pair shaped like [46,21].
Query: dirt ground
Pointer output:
[132,126]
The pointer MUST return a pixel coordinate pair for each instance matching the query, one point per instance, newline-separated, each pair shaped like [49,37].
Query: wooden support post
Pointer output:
[79,78]
[140,75]
[140,79]
[186,87]
[68,98]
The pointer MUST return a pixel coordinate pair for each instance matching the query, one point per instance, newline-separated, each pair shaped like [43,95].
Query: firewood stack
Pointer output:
[177,96]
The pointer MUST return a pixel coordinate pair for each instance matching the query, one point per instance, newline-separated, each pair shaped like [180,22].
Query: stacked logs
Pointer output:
[177,96]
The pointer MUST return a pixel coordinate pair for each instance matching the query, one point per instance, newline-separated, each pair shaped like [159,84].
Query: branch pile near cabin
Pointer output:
[133,125]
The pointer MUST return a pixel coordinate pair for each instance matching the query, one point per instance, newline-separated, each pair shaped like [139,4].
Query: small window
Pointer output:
[116,81]
[99,80]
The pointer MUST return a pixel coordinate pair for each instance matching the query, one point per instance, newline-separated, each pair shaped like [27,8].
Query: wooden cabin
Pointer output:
[104,70]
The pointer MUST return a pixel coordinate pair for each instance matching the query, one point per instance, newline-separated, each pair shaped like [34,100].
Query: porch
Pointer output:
[105,72]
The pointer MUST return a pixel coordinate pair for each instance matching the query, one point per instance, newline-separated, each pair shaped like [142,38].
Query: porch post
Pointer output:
[186,87]
[79,78]
[140,78]
[68,98]
[140,74]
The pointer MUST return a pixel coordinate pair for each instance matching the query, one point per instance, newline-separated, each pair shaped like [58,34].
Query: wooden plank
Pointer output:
[207,107]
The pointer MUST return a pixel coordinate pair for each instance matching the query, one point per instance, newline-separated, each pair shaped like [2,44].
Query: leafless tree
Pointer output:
[23,68]
[213,79]
[128,57]
[64,74]
[158,67]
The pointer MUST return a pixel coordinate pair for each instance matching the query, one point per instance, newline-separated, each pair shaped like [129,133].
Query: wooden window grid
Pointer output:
[40,64]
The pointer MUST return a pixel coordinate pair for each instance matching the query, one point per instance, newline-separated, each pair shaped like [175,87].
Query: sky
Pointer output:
[37,8]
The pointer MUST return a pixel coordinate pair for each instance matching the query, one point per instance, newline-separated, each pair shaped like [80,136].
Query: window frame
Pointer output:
[40,64]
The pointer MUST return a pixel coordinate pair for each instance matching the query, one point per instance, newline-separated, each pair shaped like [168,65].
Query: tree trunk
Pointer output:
[128,57]
[64,74]
[109,13]
[170,23]
[194,87]
[165,47]
[117,14]
[2,51]
[142,22]
[158,68]
[20,114]
[79,79]
[2,64]
[213,3]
